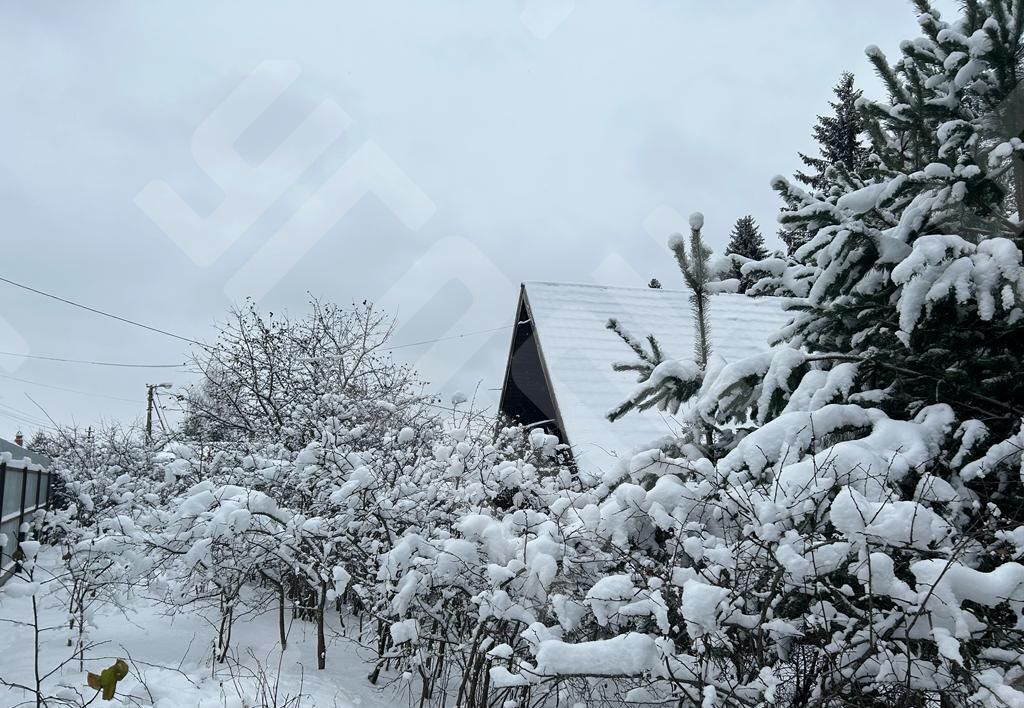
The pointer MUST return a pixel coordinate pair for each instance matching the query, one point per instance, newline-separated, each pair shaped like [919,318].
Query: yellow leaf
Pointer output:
[106,681]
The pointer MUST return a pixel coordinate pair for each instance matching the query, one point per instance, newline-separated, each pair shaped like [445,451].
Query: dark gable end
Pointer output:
[526,394]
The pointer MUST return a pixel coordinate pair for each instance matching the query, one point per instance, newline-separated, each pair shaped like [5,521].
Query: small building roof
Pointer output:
[577,352]
[14,454]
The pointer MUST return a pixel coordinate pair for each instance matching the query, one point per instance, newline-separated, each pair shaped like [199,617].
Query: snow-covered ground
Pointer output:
[170,659]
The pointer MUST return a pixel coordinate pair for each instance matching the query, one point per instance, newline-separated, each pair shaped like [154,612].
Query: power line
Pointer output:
[27,417]
[95,363]
[69,390]
[100,312]
[22,417]
[204,346]
[22,423]
[444,339]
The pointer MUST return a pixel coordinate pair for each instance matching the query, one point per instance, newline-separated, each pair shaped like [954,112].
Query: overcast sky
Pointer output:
[162,160]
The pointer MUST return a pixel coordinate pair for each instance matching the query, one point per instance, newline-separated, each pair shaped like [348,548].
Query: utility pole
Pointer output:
[150,394]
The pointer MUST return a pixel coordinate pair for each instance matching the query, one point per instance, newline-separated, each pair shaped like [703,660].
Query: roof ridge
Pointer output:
[684,291]
[644,288]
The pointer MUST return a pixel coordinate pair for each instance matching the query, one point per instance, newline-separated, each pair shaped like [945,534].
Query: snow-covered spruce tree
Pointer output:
[746,240]
[859,541]
[840,147]
[838,137]
[746,244]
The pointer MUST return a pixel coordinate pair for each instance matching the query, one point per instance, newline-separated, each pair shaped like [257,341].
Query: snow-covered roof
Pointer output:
[578,351]
[16,455]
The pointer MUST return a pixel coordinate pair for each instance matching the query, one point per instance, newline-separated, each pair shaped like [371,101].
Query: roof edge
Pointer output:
[597,286]
[512,345]
[544,370]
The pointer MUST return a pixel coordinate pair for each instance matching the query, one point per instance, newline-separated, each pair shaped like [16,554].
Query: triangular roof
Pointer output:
[566,323]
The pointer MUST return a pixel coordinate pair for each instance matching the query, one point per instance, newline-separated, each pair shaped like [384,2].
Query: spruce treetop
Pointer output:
[838,137]
[841,152]
[746,240]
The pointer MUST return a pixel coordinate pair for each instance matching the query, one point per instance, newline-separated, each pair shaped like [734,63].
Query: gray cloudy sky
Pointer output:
[495,142]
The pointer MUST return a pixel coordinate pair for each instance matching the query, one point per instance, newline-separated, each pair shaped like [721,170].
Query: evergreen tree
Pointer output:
[694,267]
[747,240]
[675,384]
[838,137]
[839,146]
[746,244]
[888,425]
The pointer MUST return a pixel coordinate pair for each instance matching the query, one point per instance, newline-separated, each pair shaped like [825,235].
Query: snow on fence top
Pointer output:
[577,352]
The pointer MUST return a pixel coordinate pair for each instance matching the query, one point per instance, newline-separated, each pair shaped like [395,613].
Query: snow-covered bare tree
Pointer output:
[308,435]
[278,377]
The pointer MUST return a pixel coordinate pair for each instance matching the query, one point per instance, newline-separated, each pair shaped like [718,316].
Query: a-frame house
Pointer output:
[559,371]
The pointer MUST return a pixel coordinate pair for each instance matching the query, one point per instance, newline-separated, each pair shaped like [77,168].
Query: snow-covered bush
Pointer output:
[99,476]
[302,460]
[464,592]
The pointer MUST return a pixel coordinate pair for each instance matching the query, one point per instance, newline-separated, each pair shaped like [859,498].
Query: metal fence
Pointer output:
[24,487]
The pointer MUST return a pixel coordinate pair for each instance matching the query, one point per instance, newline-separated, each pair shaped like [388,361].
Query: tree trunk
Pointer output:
[382,636]
[280,616]
[81,636]
[321,639]
[35,648]
[224,637]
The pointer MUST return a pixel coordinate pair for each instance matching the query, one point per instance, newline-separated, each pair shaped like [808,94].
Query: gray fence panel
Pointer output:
[10,493]
[22,491]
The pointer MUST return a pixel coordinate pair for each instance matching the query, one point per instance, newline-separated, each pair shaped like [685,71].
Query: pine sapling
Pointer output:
[664,382]
[694,267]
